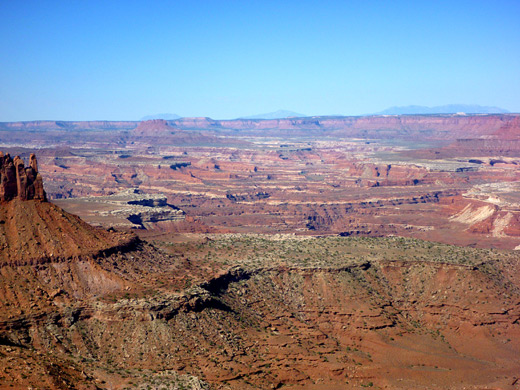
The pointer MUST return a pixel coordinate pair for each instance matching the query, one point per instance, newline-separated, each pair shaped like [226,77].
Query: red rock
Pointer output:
[17,181]
[153,127]
[33,163]
[21,178]
[8,189]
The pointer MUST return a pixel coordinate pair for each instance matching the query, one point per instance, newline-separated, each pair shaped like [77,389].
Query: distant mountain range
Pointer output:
[402,110]
[169,117]
[280,114]
[446,109]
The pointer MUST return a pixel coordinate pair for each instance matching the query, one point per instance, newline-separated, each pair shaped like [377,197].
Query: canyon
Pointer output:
[305,253]
[448,178]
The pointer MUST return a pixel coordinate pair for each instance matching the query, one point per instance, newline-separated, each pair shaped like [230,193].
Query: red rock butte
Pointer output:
[34,231]
[18,181]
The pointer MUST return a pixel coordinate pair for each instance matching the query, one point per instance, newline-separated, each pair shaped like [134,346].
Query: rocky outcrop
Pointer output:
[18,181]
[127,209]
[153,127]
[37,232]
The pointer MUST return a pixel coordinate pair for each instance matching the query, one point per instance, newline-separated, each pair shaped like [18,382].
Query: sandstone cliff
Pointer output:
[446,127]
[37,231]
[18,181]
[422,126]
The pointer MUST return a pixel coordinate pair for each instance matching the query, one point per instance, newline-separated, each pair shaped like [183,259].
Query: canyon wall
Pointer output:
[447,126]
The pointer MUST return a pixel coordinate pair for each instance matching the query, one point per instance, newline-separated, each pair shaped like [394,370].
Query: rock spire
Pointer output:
[18,181]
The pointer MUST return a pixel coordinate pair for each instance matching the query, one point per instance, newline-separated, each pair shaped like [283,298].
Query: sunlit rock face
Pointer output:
[18,181]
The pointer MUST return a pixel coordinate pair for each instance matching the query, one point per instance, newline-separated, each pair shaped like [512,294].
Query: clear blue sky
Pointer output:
[121,60]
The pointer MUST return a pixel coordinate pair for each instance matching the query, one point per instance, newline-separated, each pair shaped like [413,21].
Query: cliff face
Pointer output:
[510,131]
[430,126]
[436,126]
[18,181]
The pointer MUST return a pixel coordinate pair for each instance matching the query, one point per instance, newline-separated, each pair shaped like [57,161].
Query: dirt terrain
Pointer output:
[249,311]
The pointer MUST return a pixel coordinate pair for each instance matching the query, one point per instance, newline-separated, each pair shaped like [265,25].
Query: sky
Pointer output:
[122,60]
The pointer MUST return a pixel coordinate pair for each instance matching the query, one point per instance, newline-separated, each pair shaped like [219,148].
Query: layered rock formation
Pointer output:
[39,232]
[298,313]
[319,175]
[445,126]
[18,181]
